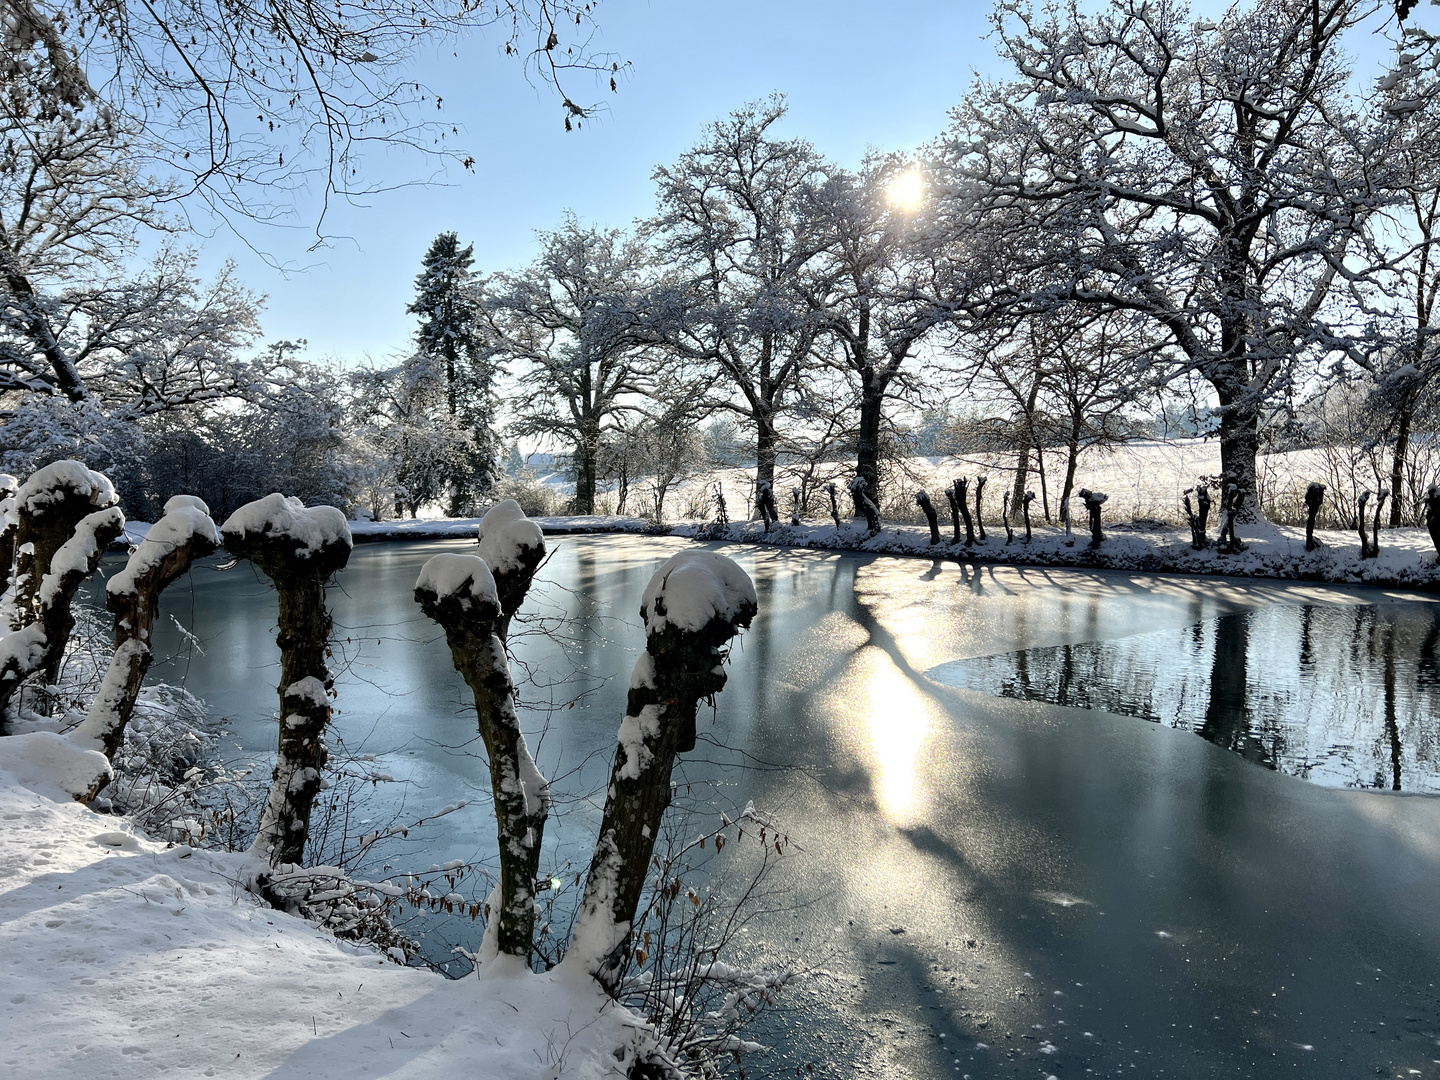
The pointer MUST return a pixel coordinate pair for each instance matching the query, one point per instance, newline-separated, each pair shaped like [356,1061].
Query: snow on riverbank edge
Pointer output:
[1407,556]
[128,957]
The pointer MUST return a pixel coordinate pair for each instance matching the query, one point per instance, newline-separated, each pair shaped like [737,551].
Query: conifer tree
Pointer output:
[448,348]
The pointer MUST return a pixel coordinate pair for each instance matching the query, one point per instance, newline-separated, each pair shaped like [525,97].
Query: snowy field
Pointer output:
[125,957]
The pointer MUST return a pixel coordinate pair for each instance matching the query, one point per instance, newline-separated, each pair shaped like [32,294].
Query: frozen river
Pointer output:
[989,882]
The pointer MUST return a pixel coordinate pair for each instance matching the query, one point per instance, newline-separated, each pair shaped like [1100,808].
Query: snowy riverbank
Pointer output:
[128,957]
[1406,560]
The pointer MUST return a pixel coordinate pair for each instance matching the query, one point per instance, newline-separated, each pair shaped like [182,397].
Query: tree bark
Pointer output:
[39,646]
[922,500]
[1397,466]
[520,793]
[134,599]
[299,572]
[679,668]
[1314,496]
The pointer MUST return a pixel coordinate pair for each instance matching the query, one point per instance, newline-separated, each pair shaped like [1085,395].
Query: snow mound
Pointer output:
[312,528]
[505,534]
[694,587]
[51,765]
[185,518]
[464,576]
[177,973]
[55,481]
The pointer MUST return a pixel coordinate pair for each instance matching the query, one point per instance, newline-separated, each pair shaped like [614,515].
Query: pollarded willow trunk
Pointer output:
[39,646]
[459,592]
[962,501]
[1314,496]
[834,505]
[513,547]
[922,500]
[1432,514]
[298,549]
[693,606]
[173,543]
[1198,515]
[1094,500]
[49,506]
[9,522]
[864,504]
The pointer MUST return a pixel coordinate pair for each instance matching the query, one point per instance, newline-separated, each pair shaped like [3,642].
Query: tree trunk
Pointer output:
[766,449]
[1240,447]
[298,550]
[40,644]
[681,665]
[586,451]
[1397,466]
[867,460]
[521,795]
[183,535]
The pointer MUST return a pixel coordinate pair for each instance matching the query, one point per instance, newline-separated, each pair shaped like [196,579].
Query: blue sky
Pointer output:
[856,75]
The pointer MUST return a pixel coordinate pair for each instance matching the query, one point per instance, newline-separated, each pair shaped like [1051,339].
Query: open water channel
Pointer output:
[1043,823]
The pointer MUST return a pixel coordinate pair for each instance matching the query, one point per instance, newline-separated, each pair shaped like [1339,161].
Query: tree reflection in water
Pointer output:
[1345,696]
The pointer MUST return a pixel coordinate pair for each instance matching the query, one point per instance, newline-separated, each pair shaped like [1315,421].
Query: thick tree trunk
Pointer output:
[1397,466]
[1432,514]
[298,550]
[39,646]
[681,665]
[867,447]
[767,444]
[586,452]
[183,535]
[1240,447]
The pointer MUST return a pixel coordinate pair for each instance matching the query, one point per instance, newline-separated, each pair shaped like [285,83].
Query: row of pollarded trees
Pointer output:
[1149,200]
[58,524]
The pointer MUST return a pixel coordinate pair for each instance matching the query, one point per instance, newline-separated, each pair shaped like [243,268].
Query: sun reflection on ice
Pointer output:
[897,720]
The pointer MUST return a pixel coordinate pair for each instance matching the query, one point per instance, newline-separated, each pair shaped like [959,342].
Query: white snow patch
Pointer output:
[51,484]
[505,534]
[634,730]
[465,576]
[312,528]
[51,765]
[694,587]
[178,973]
[308,689]
[185,517]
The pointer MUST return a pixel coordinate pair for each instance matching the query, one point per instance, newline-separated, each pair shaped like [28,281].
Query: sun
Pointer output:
[907,190]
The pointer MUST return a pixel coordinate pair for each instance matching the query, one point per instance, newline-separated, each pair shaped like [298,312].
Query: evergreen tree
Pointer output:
[448,343]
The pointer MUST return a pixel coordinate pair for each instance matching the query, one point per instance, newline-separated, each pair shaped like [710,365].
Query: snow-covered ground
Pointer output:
[130,958]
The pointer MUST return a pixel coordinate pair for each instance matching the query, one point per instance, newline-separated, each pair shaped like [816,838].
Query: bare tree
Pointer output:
[735,227]
[238,100]
[1209,177]
[577,323]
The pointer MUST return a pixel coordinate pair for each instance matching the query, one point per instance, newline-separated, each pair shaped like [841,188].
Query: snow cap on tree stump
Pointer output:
[318,534]
[512,546]
[63,481]
[461,581]
[698,591]
[186,520]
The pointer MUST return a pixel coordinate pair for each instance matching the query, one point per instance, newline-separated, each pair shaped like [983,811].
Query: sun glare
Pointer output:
[907,190]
